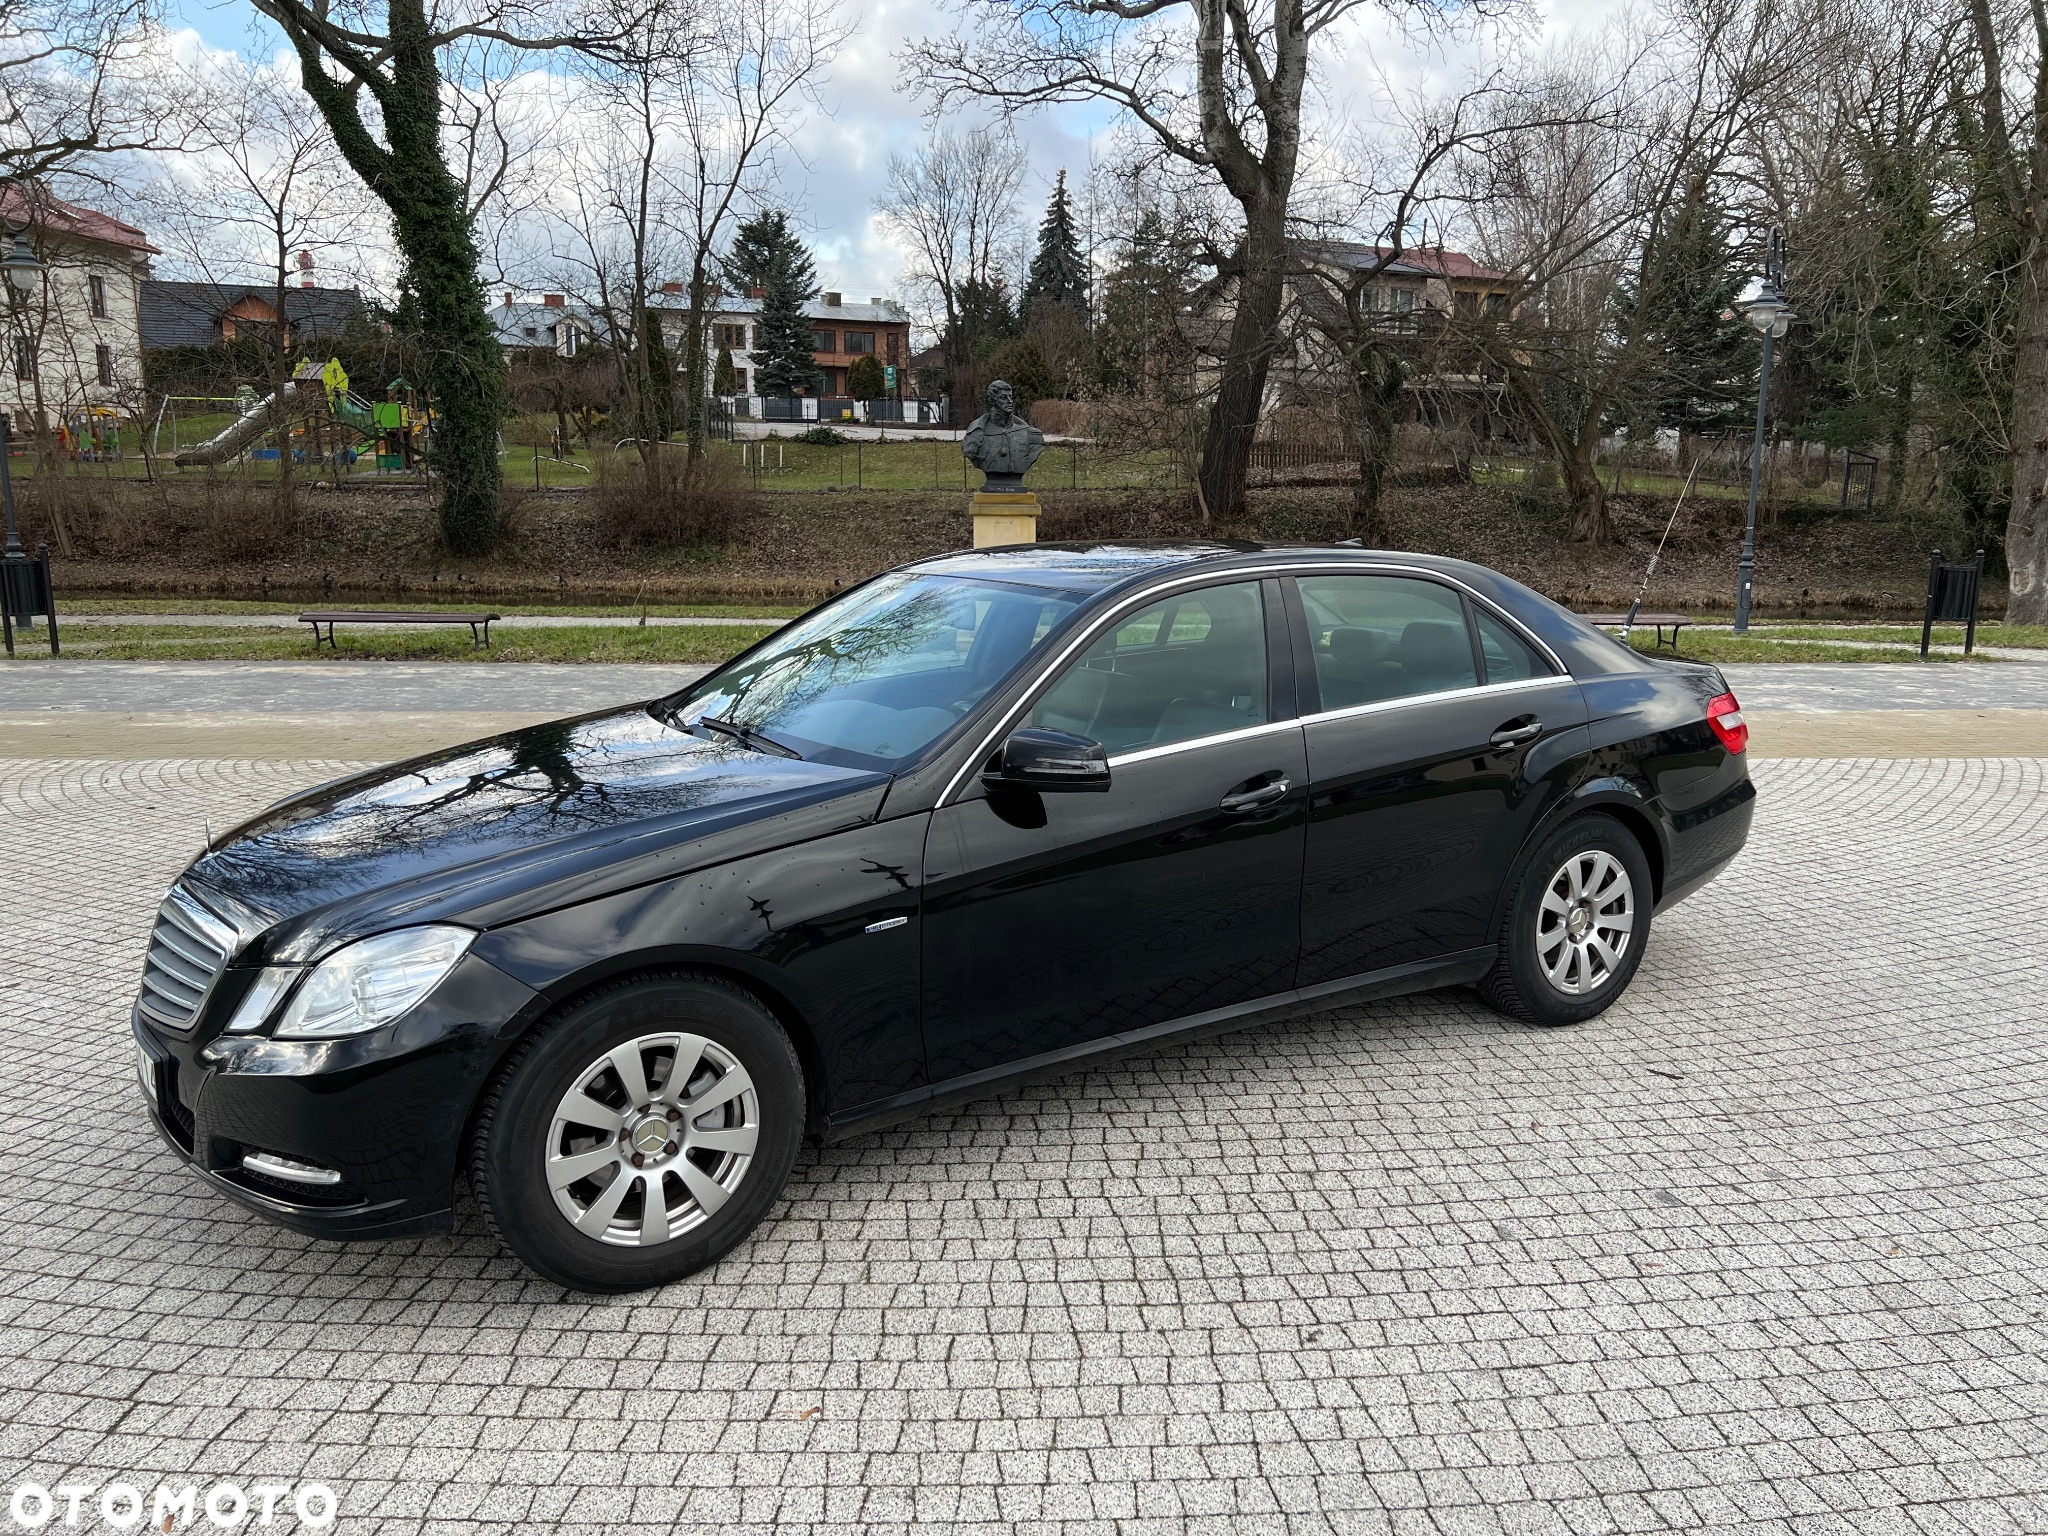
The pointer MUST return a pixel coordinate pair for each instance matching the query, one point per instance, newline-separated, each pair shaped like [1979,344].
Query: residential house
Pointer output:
[1417,299]
[76,342]
[207,314]
[841,334]
[532,329]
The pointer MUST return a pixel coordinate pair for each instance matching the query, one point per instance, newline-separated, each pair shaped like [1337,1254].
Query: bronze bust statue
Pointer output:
[1002,444]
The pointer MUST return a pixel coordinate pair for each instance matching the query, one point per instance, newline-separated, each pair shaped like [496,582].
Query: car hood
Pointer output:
[513,824]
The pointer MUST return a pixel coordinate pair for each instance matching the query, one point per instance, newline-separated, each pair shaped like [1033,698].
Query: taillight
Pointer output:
[1725,716]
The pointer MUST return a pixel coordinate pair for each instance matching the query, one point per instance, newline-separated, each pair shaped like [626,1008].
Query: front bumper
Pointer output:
[385,1111]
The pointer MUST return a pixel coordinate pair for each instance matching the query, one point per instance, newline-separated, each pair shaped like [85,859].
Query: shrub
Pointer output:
[674,507]
[822,436]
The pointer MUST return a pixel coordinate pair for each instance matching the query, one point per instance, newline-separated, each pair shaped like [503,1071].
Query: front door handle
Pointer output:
[1515,735]
[1240,801]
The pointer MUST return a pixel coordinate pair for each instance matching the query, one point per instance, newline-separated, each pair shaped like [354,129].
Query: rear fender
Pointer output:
[1627,800]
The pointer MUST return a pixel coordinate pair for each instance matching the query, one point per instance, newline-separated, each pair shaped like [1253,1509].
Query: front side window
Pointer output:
[824,341]
[24,359]
[875,678]
[862,342]
[1385,637]
[103,361]
[96,287]
[1189,666]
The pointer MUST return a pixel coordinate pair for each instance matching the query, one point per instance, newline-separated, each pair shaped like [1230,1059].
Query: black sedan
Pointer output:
[986,817]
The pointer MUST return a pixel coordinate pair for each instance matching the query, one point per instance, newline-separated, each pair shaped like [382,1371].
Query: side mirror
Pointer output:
[1033,758]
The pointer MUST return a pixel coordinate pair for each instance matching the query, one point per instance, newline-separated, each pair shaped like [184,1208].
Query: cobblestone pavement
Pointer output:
[1759,1251]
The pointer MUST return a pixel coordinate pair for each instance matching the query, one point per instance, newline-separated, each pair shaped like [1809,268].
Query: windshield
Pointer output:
[878,676]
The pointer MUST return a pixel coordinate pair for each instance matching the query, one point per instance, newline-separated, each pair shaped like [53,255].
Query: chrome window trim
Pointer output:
[1337,566]
[1244,733]
[1380,706]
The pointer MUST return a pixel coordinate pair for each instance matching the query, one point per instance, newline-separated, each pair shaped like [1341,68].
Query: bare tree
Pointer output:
[261,183]
[953,203]
[76,82]
[1218,84]
[759,60]
[2012,50]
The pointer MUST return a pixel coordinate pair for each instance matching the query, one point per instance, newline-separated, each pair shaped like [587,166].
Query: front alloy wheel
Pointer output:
[652,1139]
[640,1134]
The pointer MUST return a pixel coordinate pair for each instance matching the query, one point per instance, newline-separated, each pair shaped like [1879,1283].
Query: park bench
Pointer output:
[1658,621]
[479,623]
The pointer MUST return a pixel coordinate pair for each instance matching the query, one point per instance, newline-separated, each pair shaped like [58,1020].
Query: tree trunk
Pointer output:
[2026,533]
[1377,378]
[1241,392]
[1590,522]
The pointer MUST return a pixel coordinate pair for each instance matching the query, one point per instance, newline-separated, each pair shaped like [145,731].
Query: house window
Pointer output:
[24,359]
[1496,304]
[739,379]
[97,285]
[860,343]
[103,357]
[1404,300]
[892,346]
[529,332]
[732,336]
[571,339]
[824,341]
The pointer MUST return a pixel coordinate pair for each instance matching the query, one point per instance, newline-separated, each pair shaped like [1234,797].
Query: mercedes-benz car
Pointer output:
[987,817]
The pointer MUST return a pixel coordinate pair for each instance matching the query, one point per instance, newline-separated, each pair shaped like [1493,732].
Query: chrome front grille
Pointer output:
[187,953]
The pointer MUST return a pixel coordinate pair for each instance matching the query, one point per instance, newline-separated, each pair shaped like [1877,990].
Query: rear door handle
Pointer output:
[1265,794]
[1514,735]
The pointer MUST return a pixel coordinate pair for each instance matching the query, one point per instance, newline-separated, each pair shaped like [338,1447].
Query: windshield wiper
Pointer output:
[749,735]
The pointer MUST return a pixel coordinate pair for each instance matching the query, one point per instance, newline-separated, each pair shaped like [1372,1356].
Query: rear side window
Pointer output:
[1385,637]
[1193,665]
[1509,658]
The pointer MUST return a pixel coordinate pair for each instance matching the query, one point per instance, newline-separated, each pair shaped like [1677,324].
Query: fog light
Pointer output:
[274,1165]
[145,1068]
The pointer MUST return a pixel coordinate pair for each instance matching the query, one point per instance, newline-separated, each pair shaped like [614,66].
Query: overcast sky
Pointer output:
[841,152]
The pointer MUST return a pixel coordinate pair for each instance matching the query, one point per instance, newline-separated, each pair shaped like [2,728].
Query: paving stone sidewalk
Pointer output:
[1759,1251]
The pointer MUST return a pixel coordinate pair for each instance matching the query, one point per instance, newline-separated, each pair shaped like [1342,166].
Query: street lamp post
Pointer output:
[1772,316]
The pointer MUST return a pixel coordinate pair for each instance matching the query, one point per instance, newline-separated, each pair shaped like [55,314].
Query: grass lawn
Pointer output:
[1719,645]
[626,642]
[149,605]
[2019,636]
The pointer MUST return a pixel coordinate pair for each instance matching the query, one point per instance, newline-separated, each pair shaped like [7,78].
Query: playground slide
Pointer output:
[243,431]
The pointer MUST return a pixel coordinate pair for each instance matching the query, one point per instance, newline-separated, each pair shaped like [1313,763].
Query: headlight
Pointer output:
[372,981]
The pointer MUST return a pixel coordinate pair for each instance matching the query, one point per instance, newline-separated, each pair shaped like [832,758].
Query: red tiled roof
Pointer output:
[53,214]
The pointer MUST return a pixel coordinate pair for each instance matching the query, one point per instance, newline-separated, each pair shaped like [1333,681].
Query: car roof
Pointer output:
[1099,565]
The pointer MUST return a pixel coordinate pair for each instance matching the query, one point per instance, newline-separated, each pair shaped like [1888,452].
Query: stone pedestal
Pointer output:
[1005,517]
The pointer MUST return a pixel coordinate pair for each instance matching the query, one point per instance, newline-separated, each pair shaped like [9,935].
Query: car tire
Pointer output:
[573,1193]
[1575,925]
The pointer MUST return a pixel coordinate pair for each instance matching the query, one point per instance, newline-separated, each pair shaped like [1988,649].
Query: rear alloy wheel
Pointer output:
[1575,925]
[641,1135]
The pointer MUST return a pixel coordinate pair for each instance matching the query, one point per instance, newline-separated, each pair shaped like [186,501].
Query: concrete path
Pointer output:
[388,710]
[383,710]
[511,621]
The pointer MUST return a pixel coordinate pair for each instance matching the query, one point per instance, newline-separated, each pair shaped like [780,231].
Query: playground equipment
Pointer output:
[392,425]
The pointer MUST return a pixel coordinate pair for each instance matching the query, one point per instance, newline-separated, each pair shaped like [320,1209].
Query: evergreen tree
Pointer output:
[657,380]
[986,318]
[725,379]
[767,255]
[1704,376]
[1059,272]
[1137,337]
[864,379]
